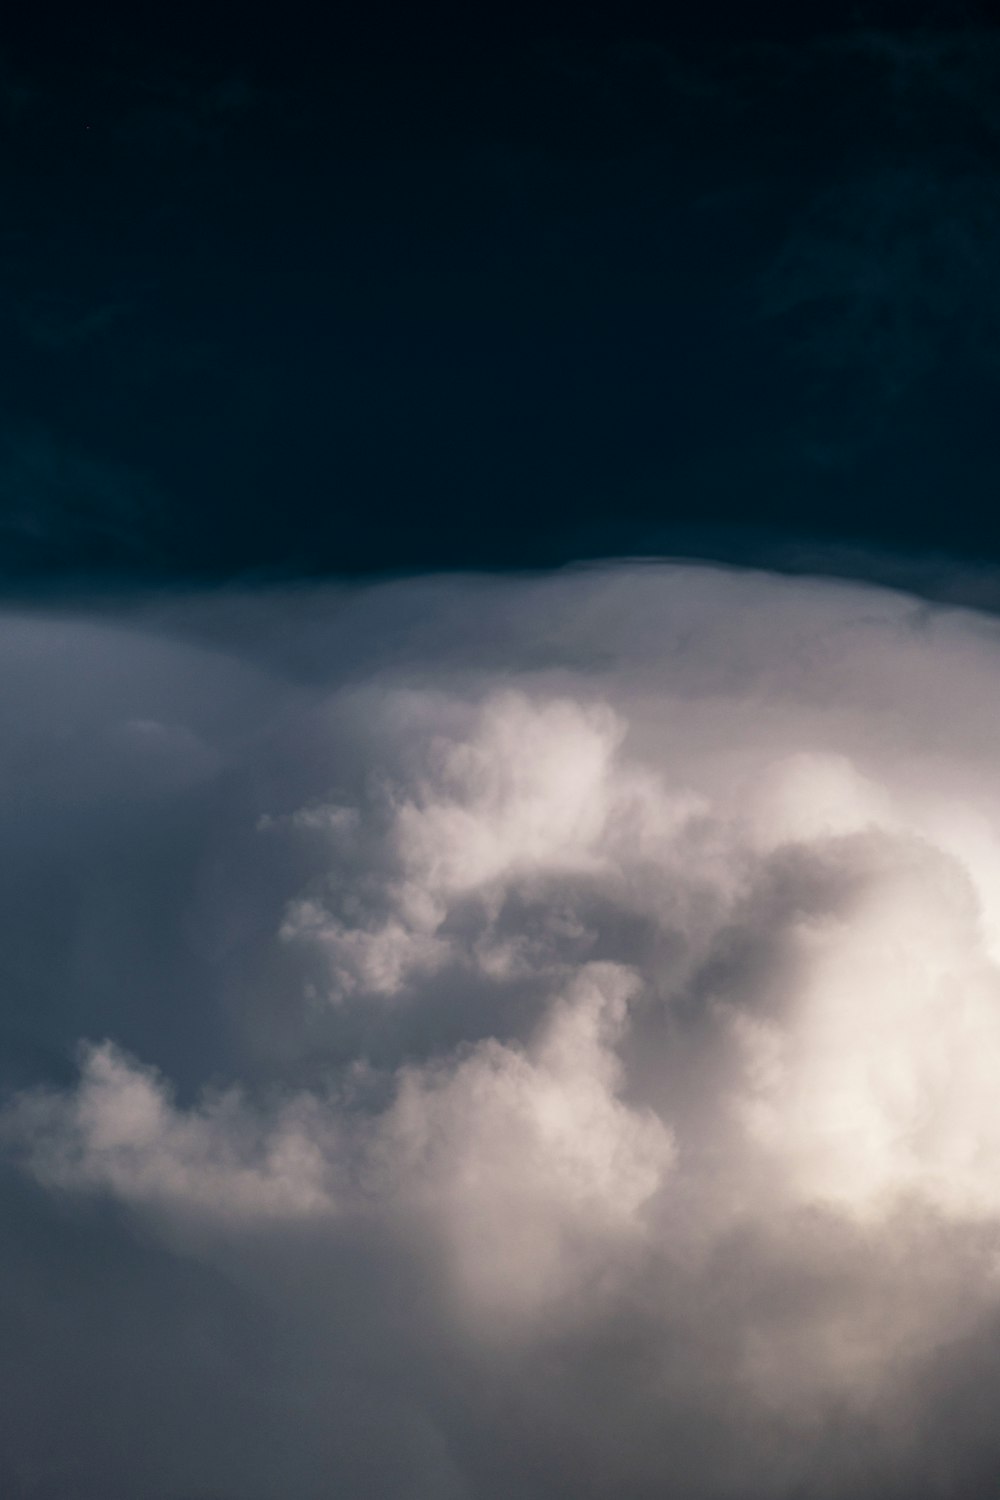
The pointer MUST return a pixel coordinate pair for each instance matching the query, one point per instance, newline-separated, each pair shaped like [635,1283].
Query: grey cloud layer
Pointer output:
[467,1037]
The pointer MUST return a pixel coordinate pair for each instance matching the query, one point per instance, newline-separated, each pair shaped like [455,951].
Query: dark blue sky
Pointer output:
[364,288]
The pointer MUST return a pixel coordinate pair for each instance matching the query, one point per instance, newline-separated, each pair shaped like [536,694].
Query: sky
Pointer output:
[386,287]
[499,689]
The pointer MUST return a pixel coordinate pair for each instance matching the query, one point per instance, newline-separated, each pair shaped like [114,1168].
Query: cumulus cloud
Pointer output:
[521,1158]
[576,1033]
[533,793]
[121,1132]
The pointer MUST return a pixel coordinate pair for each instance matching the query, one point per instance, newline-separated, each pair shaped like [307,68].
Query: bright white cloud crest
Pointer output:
[669,941]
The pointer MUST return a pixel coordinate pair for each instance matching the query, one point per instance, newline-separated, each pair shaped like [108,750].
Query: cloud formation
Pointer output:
[560,1016]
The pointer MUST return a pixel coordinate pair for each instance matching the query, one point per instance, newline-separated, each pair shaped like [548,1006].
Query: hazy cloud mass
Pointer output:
[476,1038]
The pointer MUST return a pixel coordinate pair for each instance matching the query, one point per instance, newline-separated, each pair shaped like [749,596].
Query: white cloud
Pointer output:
[626,991]
[879,1084]
[536,1169]
[121,1133]
[536,790]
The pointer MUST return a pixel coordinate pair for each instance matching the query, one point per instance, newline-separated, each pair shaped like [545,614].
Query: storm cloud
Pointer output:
[466,1037]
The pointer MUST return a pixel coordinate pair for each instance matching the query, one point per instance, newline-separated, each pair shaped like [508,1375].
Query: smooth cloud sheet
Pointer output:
[468,1037]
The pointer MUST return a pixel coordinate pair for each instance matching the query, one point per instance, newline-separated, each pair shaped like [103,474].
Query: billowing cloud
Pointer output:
[564,1013]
